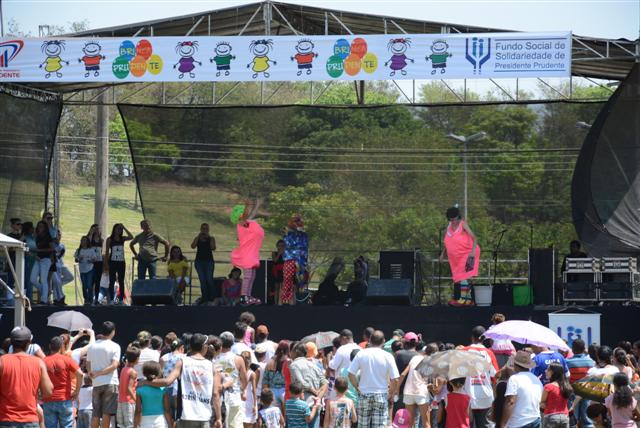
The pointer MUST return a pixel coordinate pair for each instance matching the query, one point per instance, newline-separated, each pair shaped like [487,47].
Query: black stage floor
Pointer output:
[434,322]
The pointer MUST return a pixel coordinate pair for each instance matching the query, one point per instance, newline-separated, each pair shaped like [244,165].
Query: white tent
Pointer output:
[6,243]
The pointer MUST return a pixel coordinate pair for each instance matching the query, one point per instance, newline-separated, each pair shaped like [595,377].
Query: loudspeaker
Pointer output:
[259,290]
[502,295]
[390,292]
[542,275]
[581,291]
[153,292]
[397,265]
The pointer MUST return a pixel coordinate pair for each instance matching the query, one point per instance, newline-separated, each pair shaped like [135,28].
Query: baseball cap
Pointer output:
[411,337]
[398,332]
[262,330]
[20,334]
[523,359]
[401,419]
[261,348]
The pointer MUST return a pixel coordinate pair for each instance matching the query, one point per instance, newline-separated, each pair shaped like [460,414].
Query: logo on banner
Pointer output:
[398,60]
[222,58]
[9,50]
[261,62]
[187,63]
[351,58]
[478,52]
[91,59]
[438,56]
[53,62]
[136,59]
[304,56]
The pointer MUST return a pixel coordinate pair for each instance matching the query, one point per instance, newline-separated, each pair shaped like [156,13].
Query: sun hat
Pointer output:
[523,359]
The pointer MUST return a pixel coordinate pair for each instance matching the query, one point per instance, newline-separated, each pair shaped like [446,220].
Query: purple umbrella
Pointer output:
[527,333]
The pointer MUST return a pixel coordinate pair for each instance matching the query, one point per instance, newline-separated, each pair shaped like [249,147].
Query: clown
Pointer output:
[398,60]
[463,252]
[295,258]
[247,255]
[186,63]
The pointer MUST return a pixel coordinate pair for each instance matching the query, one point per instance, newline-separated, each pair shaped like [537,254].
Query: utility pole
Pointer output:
[102,164]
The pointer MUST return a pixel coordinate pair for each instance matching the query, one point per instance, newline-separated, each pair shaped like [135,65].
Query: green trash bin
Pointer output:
[522,295]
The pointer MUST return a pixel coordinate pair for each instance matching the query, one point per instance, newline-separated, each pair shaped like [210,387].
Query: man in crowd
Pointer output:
[146,352]
[22,376]
[378,382]
[239,331]
[310,377]
[544,357]
[342,358]
[232,365]
[58,407]
[148,255]
[522,396]
[579,365]
[480,388]
[103,358]
[262,337]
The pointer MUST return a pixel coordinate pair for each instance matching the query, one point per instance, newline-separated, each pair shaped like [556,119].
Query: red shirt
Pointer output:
[61,369]
[556,403]
[123,389]
[20,378]
[286,373]
[304,58]
[457,410]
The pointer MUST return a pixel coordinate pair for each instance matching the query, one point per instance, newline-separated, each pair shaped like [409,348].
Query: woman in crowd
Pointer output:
[622,406]
[502,348]
[205,245]
[555,397]
[274,376]
[62,275]
[178,270]
[463,252]
[85,256]
[95,240]
[277,270]
[295,259]
[621,362]
[115,258]
[45,247]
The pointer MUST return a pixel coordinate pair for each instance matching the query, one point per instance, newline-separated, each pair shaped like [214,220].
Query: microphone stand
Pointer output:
[495,256]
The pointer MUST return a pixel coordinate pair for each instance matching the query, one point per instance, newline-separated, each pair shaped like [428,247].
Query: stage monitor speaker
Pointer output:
[390,292]
[397,265]
[153,292]
[542,275]
[580,292]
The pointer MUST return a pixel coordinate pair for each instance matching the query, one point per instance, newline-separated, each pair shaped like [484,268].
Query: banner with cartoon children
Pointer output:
[281,58]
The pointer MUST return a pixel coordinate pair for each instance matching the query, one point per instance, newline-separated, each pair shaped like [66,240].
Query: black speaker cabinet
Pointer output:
[153,292]
[390,292]
[397,265]
[542,275]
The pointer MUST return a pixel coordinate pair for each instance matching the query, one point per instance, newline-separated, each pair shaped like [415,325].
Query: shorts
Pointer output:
[155,421]
[193,424]
[104,400]
[418,400]
[124,416]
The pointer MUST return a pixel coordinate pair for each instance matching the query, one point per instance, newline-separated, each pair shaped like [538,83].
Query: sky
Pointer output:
[603,18]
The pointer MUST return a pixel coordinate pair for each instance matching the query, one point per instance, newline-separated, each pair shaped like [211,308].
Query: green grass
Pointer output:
[185,209]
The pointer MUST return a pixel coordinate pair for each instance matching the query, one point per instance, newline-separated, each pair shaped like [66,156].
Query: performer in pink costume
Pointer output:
[463,253]
[247,255]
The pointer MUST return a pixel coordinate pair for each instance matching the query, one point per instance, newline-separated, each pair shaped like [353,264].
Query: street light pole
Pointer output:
[465,144]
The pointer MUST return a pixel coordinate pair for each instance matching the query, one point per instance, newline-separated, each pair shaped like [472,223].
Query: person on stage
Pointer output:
[295,258]
[463,252]
[247,255]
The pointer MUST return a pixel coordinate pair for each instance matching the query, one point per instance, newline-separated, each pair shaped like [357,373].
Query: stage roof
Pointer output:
[591,57]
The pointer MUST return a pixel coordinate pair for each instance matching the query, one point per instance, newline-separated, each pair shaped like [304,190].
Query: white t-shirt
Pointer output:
[31,350]
[197,386]
[85,398]
[479,388]
[146,354]
[376,368]
[599,371]
[100,355]
[342,359]
[528,390]
[239,347]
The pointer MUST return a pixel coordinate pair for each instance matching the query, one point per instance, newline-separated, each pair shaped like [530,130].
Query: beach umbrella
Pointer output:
[322,339]
[69,320]
[594,387]
[453,364]
[527,333]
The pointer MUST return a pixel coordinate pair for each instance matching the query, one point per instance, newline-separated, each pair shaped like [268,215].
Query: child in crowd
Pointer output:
[457,405]
[152,404]
[86,256]
[250,335]
[231,289]
[178,270]
[297,411]
[555,396]
[340,412]
[127,389]
[251,401]
[85,404]
[621,404]
[270,416]
[598,414]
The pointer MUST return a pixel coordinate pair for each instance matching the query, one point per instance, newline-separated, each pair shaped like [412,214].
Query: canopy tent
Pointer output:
[7,243]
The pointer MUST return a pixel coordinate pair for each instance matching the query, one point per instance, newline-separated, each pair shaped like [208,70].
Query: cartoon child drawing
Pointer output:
[304,56]
[398,60]
[92,58]
[438,56]
[53,63]
[186,63]
[260,64]
[223,58]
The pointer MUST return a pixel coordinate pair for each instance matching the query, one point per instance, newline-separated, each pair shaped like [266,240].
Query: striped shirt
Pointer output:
[297,410]
[579,365]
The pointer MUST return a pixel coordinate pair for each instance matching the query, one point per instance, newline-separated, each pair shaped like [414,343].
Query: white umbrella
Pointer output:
[322,339]
[527,333]
[69,320]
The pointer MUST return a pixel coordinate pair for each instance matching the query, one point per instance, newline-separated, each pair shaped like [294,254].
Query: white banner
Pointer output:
[576,326]
[286,58]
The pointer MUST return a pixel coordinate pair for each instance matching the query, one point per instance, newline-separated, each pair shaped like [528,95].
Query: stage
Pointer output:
[434,322]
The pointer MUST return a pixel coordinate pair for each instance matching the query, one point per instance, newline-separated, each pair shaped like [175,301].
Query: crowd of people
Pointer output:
[243,379]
